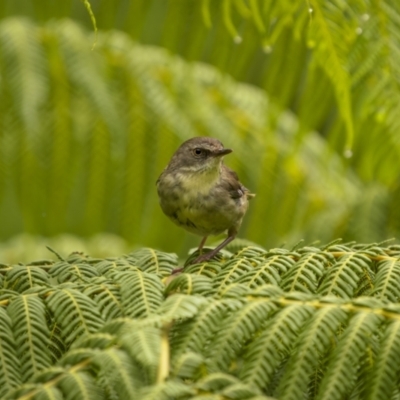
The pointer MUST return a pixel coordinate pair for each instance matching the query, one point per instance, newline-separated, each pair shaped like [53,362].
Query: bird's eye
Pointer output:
[197,152]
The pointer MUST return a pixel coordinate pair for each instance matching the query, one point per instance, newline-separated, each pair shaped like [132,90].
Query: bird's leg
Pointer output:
[212,253]
[202,243]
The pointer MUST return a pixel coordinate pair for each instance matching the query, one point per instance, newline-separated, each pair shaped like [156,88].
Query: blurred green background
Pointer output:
[306,93]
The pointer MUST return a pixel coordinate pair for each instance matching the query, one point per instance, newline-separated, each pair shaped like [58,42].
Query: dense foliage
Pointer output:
[304,323]
[85,133]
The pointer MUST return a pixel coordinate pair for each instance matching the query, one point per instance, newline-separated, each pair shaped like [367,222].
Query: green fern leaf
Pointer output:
[231,271]
[75,313]
[343,277]
[166,391]
[381,383]
[79,385]
[194,334]
[387,280]
[188,365]
[235,331]
[180,306]
[143,344]
[275,341]
[9,363]
[341,373]
[304,276]
[71,272]
[209,269]
[28,316]
[141,292]
[153,261]
[190,284]
[268,271]
[118,373]
[23,277]
[313,342]
[107,297]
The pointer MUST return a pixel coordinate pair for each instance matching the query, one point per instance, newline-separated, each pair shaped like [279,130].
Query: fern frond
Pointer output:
[107,297]
[342,278]
[245,248]
[26,64]
[209,269]
[227,386]
[9,363]
[231,271]
[188,365]
[167,390]
[153,261]
[23,277]
[48,393]
[221,256]
[305,275]
[98,340]
[141,292]
[190,284]
[275,341]
[143,344]
[75,313]
[381,382]
[79,385]
[193,335]
[387,280]
[330,55]
[235,331]
[180,306]
[341,372]
[28,316]
[110,266]
[313,342]
[71,272]
[267,271]
[118,373]
[57,345]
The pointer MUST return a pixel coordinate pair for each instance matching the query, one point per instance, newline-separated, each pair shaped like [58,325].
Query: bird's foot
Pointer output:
[203,257]
[176,271]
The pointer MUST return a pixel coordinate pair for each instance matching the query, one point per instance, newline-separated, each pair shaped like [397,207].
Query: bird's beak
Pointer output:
[222,152]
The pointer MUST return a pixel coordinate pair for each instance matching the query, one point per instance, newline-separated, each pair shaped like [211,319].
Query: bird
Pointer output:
[199,193]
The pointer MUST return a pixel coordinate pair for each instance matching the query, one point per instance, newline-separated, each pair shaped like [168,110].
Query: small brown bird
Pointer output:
[201,194]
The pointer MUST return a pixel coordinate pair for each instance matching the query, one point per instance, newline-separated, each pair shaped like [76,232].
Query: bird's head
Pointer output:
[199,154]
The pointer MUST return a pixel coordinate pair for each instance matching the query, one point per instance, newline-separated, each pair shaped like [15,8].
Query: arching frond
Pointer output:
[272,345]
[10,376]
[387,280]
[381,383]
[341,373]
[153,261]
[234,340]
[231,271]
[267,271]
[194,334]
[28,316]
[141,292]
[343,277]
[314,341]
[23,277]
[71,272]
[107,297]
[74,312]
[190,284]
[305,275]
[167,390]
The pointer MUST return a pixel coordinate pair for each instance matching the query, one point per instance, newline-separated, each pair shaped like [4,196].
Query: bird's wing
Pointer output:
[230,181]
